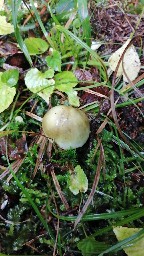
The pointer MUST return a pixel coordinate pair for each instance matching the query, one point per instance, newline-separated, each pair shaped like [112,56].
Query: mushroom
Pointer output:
[67,126]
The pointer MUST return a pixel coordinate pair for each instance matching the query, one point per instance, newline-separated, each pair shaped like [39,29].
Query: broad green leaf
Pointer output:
[89,246]
[78,181]
[36,45]
[73,98]
[65,80]
[64,6]
[54,60]
[10,77]
[5,27]
[82,9]
[46,93]
[7,95]
[49,73]
[37,82]
[135,248]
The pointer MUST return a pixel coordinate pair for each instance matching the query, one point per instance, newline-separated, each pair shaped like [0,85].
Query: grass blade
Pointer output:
[84,17]
[15,7]
[123,243]
[100,63]
[41,24]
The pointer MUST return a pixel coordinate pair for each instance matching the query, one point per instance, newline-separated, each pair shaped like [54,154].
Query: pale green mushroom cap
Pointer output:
[67,126]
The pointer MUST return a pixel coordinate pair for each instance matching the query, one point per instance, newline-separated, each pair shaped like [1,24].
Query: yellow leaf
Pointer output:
[135,248]
[5,27]
[131,62]
[7,95]
[1,4]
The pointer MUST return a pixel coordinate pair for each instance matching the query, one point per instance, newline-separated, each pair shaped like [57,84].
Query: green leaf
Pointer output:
[49,73]
[15,8]
[73,98]
[36,45]
[64,6]
[135,248]
[87,30]
[38,17]
[84,17]
[37,82]
[82,9]
[100,64]
[65,80]
[89,246]
[7,95]
[5,27]
[10,77]
[54,60]
[78,181]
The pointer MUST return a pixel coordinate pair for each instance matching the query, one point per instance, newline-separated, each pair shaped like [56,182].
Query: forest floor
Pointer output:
[40,213]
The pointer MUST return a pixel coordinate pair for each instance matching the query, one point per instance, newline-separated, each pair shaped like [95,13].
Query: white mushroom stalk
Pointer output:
[67,126]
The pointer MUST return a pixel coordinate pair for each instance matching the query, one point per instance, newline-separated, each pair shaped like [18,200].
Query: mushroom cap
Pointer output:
[68,126]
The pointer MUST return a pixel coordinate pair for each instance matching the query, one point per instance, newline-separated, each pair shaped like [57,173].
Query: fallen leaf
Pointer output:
[7,48]
[5,27]
[135,248]
[95,45]
[83,75]
[131,62]
[1,4]
[18,60]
